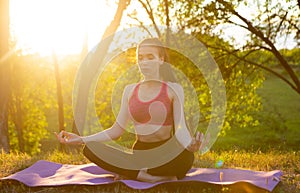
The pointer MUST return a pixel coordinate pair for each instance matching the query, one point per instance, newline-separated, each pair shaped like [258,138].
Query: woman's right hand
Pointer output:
[69,138]
[198,142]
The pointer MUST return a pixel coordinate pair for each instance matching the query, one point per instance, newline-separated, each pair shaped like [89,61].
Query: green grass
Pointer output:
[279,122]
[288,162]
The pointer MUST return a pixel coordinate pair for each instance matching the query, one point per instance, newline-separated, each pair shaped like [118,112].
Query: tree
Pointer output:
[81,102]
[4,74]
[272,20]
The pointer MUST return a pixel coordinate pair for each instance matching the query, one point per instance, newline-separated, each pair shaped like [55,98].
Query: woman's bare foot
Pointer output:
[145,177]
[120,177]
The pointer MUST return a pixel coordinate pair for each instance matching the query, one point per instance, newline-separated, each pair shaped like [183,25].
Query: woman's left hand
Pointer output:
[68,138]
[198,142]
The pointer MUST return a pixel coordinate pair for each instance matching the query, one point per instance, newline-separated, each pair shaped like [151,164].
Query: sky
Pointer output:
[45,26]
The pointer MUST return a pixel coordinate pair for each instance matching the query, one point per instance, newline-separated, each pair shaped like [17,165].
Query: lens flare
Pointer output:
[99,59]
[219,163]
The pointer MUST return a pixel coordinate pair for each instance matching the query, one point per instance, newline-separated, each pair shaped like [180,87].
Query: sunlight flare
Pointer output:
[41,26]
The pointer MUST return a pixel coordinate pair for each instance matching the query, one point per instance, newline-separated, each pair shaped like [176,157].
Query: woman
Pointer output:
[155,106]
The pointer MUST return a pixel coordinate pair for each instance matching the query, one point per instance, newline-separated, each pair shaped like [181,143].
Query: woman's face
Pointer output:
[149,61]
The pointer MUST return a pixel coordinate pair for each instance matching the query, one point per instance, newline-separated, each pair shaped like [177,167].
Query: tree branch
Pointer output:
[274,50]
[258,65]
[149,11]
[117,18]
[141,24]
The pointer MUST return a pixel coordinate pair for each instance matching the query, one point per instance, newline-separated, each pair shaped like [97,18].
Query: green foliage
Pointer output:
[68,68]
[292,56]
[34,130]
[27,118]
[241,81]
[120,72]
[33,101]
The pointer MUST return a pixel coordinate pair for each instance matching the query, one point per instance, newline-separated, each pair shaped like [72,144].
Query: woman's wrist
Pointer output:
[83,140]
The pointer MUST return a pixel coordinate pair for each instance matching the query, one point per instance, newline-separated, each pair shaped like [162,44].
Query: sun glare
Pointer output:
[41,26]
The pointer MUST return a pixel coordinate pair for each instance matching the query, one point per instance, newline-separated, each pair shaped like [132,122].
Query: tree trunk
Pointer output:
[167,22]
[80,110]
[60,101]
[19,123]
[4,75]
[4,98]
[84,52]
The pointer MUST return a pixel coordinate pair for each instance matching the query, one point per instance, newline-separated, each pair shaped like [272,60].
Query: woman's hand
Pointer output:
[69,138]
[198,142]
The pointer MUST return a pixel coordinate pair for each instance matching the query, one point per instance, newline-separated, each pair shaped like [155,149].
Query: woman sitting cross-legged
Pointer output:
[155,106]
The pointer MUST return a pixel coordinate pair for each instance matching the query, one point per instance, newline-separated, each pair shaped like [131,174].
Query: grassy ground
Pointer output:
[271,146]
[279,122]
[288,162]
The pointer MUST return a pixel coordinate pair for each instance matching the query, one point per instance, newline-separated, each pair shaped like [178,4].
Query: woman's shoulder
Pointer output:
[128,90]
[175,90]
[175,86]
[131,86]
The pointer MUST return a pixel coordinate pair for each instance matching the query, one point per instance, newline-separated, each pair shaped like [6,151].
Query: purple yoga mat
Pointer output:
[45,173]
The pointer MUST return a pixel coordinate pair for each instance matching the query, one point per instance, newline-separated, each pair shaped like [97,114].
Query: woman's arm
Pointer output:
[112,133]
[182,132]
[109,134]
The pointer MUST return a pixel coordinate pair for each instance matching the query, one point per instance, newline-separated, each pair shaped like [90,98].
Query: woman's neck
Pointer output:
[150,78]
[151,83]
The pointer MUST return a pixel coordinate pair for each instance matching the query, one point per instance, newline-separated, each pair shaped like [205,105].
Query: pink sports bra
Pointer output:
[158,111]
